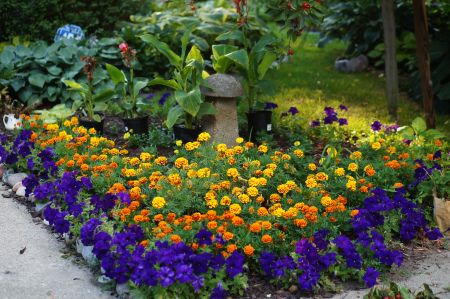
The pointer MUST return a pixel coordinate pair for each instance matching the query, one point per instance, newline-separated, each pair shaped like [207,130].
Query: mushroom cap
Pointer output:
[222,86]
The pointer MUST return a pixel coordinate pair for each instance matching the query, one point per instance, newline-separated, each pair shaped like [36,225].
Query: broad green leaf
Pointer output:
[265,64]
[97,118]
[189,101]
[239,57]
[117,76]
[263,43]
[138,86]
[164,49]
[231,35]
[206,108]
[37,79]
[169,83]
[72,84]
[419,125]
[54,70]
[103,96]
[221,50]
[433,134]
[194,54]
[174,114]
[184,42]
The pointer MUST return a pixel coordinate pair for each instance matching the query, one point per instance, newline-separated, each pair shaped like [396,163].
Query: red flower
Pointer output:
[290,52]
[123,47]
[306,6]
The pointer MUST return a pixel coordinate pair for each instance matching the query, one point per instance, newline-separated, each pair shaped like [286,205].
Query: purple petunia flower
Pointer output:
[218,292]
[235,263]
[315,123]
[376,126]
[270,106]
[162,100]
[370,277]
[293,110]
[204,237]
[343,108]
[343,121]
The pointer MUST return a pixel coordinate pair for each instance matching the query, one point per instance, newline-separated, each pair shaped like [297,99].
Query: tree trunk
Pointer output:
[391,71]
[423,59]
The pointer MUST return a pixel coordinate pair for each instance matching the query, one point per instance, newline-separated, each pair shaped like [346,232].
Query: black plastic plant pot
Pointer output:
[186,135]
[139,125]
[98,126]
[259,121]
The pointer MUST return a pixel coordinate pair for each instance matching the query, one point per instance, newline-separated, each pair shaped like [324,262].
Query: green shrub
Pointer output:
[41,19]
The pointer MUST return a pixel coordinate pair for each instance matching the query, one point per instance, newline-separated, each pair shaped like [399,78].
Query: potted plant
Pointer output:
[129,92]
[10,110]
[184,117]
[252,63]
[91,103]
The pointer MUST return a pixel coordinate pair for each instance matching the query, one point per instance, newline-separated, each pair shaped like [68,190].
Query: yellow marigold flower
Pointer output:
[238,149]
[326,201]
[134,161]
[278,212]
[221,147]
[268,172]
[298,153]
[235,209]
[376,146]
[291,184]
[339,171]
[174,179]
[351,185]
[203,137]
[126,135]
[67,123]
[312,166]
[225,201]
[321,176]
[353,167]
[158,202]
[210,195]
[263,148]
[161,160]
[297,143]
[244,198]
[356,155]
[232,172]
[252,191]
[391,150]
[283,189]
[253,182]
[286,157]
[262,181]
[123,152]
[255,163]
[92,131]
[236,191]
[239,140]
[204,172]
[145,157]
[212,204]
[311,183]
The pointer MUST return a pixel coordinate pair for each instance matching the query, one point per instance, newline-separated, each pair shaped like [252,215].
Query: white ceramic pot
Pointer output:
[11,122]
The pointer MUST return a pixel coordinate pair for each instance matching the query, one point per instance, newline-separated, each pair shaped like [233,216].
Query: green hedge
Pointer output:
[39,19]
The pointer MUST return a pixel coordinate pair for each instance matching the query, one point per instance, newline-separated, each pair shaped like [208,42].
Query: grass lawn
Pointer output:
[310,82]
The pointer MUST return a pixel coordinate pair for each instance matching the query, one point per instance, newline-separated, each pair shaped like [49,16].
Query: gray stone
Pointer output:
[15,178]
[21,191]
[223,126]
[222,86]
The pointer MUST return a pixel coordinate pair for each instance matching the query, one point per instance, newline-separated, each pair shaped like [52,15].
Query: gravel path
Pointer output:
[31,265]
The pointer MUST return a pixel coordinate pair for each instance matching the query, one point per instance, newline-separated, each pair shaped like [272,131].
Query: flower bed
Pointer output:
[199,222]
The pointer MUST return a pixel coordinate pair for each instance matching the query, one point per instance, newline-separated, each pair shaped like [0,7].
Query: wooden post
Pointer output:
[423,59]
[392,93]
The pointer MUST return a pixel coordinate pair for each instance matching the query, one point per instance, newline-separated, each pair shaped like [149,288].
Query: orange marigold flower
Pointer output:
[228,236]
[353,213]
[263,211]
[237,221]
[70,163]
[398,185]
[266,239]
[158,217]
[302,223]
[212,224]
[231,248]
[248,250]
[438,142]
[255,227]
[138,218]
[364,189]
[175,239]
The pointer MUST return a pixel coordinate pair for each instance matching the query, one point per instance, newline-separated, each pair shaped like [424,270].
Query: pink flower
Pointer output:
[123,47]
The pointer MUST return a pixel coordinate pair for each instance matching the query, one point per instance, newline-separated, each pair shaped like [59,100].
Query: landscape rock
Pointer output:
[15,178]
[21,191]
